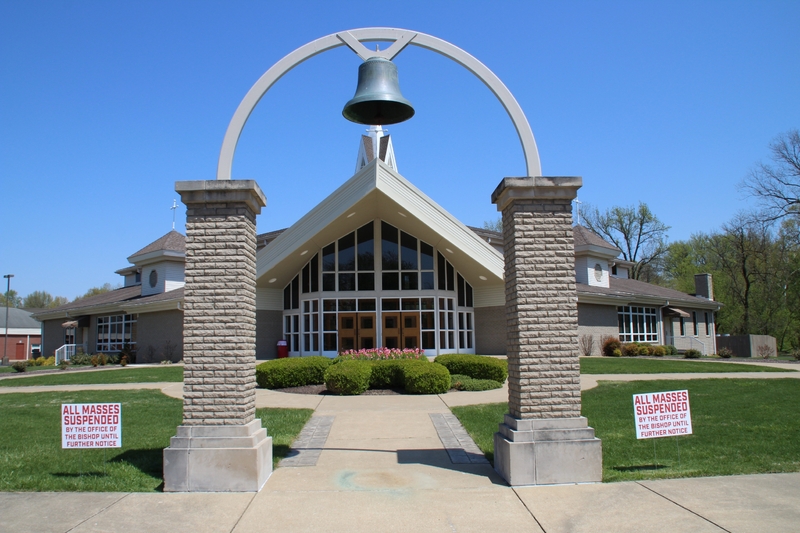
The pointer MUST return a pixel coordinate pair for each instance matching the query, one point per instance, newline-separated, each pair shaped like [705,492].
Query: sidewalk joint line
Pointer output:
[525,505]
[246,509]
[683,507]
[115,502]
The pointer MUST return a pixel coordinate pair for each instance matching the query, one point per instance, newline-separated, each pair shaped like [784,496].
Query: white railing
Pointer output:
[65,352]
[693,340]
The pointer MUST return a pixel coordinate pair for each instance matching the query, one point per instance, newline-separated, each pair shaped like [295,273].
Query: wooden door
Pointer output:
[410,329]
[391,330]
[366,331]
[348,332]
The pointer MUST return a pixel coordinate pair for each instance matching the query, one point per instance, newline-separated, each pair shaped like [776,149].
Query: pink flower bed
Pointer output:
[381,354]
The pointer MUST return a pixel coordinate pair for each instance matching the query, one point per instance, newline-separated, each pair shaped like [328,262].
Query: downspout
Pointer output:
[661,320]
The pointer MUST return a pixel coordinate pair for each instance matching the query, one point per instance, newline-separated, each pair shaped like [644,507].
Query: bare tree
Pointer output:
[634,230]
[777,185]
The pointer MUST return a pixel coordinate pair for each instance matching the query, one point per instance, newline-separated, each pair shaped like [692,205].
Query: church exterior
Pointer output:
[379,263]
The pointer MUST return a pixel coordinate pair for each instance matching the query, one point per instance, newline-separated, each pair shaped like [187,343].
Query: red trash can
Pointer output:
[283,349]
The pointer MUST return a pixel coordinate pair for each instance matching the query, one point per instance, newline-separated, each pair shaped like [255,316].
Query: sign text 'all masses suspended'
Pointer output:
[91,425]
[662,414]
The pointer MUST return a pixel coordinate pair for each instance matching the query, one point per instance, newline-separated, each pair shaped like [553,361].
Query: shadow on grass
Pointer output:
[638,468]
[281,451]
[149,461]
[79,474]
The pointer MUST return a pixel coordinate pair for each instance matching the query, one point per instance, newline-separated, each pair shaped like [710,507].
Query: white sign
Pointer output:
[91,425]
[662,414]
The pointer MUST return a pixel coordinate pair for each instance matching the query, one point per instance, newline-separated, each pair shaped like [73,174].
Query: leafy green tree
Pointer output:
[11,297]
[494,225]
[634,230]
[94,291]
[38,300]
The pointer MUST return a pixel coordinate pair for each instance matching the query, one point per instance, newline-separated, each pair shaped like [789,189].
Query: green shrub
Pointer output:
[475,366]
[658,351]
[426,378]
[725,353]
[50,361]
[63,364]
[80,359]
[348,377]
[102,359]
[19,366]
[670,349]
[388,374]
[610,346]
[644,349]
[630,349]
[795,354]
[292,372]
[692,354]
[39,361]
[466,383]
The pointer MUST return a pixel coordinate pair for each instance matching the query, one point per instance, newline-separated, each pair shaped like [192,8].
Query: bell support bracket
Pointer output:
[353,39]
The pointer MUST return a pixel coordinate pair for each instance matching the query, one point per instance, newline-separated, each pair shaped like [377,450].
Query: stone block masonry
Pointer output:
[219,303]
[541,298]
[543,439]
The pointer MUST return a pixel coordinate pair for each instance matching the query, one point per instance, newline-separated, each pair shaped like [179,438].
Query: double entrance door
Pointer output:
[357,331]
[400,329]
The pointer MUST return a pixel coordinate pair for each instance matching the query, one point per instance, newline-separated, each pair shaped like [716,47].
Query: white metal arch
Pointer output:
[353,39]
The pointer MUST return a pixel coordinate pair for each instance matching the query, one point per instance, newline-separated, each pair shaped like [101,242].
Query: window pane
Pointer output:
[469,293]
[329,342]
[329,305]
[409,251]
[366,248]
[426,281]
[461,295]
[450,277]
[329,258]
[347,252]
[390,304]
[409,281]
[428,340]
[389,250]
[442,272]
[306,279]
[347,282]
[366,281]
[366,304]
[426,321]
[315,273]
[296,292]
[391,281]
[410,304]
[329,282]
[427,303]
[426,256]
[287,298]
[329,322]
[347,305]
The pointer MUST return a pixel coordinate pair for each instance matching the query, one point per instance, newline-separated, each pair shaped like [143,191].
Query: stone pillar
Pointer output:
[221,446]
[543,439]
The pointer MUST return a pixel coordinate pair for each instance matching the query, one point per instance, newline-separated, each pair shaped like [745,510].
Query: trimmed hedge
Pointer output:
[292,372]
[692,354]
[466,383]
[389,374]
[348,377]
[475,366]
[426,378]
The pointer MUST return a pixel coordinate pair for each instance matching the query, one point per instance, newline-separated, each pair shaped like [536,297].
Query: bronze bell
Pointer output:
[378,101]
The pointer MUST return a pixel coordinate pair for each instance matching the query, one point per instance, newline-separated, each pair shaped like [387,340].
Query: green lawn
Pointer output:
[31,458]
[9,369]
[740,426]
[116,375]
[626,365]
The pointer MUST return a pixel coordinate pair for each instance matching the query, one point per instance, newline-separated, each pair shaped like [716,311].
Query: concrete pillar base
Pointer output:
[547,451]
[234,458]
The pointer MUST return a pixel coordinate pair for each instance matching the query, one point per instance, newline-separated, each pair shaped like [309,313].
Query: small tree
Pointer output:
[586,344]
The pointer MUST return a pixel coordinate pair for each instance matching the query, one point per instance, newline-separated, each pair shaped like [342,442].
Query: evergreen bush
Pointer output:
[426,378]
[292,372]
[692,354]
[475,366]
[348,377]
[19,366]
[466,383]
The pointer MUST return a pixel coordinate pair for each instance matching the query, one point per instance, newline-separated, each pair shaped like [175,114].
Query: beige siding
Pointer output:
[597,321]
[490,330]
[154,331]
[269,331]
[704,340]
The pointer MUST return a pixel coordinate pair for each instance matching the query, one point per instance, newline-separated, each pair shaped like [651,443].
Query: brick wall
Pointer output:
[490,330]
[597,321]
[155,330]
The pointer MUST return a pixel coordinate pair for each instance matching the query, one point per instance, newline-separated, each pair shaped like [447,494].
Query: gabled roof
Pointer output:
[173,244]
[378,192]
[18,319]
[624,291]
[587,241]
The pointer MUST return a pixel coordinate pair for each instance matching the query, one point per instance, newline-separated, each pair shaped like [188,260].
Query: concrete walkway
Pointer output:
[400,463]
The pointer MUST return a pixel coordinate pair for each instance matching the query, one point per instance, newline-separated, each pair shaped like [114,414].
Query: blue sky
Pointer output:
[105,104]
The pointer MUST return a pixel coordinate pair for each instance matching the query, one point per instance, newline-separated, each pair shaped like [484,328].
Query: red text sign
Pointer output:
[662,414]
[91,425]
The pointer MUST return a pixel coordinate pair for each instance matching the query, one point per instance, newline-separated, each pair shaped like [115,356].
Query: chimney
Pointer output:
[703,286]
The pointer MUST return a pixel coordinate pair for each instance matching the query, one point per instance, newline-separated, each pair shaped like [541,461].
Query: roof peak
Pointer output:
[171,242]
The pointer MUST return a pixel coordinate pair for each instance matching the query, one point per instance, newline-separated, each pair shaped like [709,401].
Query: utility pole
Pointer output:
[8,294]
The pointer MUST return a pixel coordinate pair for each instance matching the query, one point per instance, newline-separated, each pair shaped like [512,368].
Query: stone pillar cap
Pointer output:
[560,187]
[222,191]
